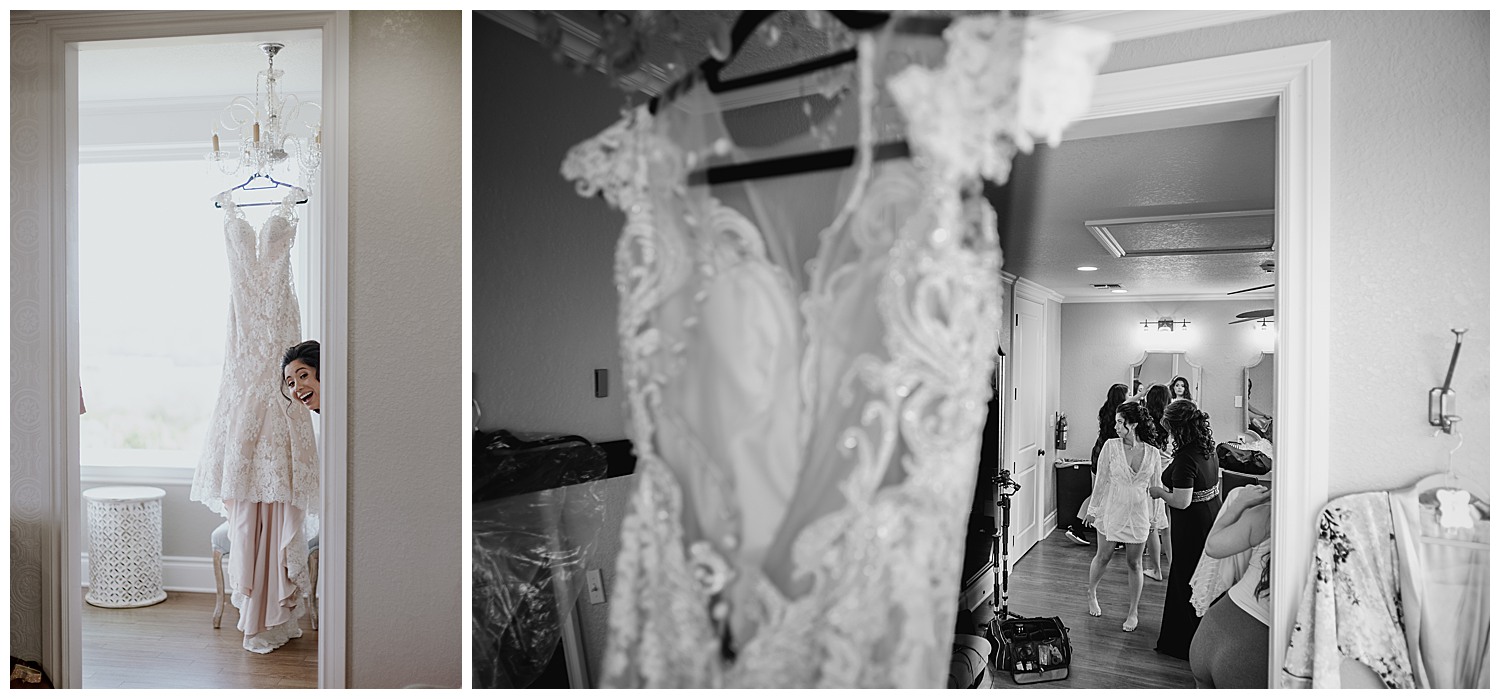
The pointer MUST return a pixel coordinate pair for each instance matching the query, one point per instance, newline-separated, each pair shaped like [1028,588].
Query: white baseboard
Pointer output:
[178,573]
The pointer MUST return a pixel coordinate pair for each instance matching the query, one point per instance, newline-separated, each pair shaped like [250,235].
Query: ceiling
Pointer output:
[196,66]
[1208,168]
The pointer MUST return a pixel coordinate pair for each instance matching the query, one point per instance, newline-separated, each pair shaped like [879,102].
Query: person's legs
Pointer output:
[1230,649]
[1153,554]
[1102,553]
[1133,570]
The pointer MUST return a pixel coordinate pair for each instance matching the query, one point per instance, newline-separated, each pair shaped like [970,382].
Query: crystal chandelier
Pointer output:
[264,128]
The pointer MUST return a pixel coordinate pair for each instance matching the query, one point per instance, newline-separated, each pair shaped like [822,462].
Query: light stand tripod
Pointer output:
[1000,603]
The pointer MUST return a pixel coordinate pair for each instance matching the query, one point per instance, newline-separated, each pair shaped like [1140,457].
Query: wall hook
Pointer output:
[1440,400]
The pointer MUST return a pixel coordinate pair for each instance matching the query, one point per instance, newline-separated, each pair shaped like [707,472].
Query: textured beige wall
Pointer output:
[405,418]
[1409,233]
[32,306]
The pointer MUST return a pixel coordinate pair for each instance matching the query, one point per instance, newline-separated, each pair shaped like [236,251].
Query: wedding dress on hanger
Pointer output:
[807,362]
[259,466]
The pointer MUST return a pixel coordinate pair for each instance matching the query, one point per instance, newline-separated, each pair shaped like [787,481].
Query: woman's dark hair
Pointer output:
[1133,412]
[1188,427]
[1157,398]
[1265,576]
[1112,400]
[1187,388]
[305,351]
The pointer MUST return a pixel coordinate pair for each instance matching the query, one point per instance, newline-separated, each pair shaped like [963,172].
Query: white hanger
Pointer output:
[1458,515]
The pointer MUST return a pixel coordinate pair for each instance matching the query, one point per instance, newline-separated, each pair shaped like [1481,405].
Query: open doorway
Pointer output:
[153,289]
[1291,85]
[1136,320]
[149,270]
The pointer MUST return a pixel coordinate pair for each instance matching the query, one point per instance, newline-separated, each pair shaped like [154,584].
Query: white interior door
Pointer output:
[1027,443]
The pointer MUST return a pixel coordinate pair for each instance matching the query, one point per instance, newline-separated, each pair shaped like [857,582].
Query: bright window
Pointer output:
[153,309]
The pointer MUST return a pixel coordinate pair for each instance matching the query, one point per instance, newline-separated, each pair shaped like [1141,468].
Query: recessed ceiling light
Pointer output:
[1088,269]
[1118,291]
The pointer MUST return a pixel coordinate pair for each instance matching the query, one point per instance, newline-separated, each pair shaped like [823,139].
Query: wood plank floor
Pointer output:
[174,645]
[1052,580]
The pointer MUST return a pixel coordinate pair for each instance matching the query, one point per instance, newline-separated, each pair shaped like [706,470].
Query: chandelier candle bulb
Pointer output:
[255,132]
[216,142]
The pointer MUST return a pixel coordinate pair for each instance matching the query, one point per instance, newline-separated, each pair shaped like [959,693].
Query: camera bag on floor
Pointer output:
[1034,650]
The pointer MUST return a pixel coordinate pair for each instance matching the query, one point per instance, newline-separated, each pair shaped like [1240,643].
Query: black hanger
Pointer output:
[745,26]
[835,158]
[275,184]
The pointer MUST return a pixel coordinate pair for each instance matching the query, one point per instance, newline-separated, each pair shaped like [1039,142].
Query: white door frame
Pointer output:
[56,128]
[1299,77]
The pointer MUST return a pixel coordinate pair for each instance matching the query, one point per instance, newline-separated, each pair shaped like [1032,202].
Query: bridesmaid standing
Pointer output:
[1192,497]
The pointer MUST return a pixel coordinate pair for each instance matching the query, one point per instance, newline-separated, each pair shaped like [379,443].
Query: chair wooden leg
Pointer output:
[218,587]
[312,567]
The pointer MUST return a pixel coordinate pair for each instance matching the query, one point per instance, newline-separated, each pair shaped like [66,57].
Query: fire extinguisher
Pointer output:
[1061,438]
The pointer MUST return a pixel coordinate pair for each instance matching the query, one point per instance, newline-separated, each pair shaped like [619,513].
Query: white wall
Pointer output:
[1101,340]
[405,419]
[544,296]
[1410,230]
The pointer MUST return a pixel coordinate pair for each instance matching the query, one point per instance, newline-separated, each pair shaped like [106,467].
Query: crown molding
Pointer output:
[578,43]
[1154,298]
[1032,289]
[1125,25]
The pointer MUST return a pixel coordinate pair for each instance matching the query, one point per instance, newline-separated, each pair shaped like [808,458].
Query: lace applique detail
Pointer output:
[609,163]
[910,249]
[259,446]
[1004,81]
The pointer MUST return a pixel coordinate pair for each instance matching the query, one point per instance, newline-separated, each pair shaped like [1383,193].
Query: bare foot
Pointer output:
[1130,622]
[1094,609]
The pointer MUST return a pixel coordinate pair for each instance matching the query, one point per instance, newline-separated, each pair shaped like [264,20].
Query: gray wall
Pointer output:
[1409,233]
[544,295]
[1101,340]
[405,466]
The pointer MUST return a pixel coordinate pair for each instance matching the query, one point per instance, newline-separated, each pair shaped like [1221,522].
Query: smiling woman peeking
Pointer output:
[299,370]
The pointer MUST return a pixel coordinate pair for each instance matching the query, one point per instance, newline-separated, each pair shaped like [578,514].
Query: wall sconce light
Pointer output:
[1264,324]
[1165,325]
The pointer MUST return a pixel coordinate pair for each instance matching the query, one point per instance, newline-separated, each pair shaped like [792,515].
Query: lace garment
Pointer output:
[259,466]
[260,445]
[806,361]
[1126,512]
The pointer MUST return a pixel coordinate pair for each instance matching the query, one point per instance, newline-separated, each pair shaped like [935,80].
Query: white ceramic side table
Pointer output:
[124,546]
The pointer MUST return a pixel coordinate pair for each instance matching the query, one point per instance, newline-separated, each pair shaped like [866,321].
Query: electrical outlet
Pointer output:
[601,383]
[1239,401]
[596,587]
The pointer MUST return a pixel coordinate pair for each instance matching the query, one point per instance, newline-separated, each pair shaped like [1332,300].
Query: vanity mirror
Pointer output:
[1159,366]
[1259,389]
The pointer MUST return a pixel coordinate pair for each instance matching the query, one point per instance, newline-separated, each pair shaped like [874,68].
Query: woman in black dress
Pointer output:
[1191,492]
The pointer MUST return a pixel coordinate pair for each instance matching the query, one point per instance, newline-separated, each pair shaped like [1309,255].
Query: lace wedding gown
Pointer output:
[807,358]
[259,467]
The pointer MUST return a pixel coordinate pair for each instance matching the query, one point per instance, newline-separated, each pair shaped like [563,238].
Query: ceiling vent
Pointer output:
[1187,234]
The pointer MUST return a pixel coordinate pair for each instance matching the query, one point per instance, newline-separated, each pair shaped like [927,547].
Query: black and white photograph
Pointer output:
[922,349]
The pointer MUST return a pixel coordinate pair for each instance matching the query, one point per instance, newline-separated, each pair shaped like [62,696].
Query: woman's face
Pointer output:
[1122,428]
[302,383]
[1179,388]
